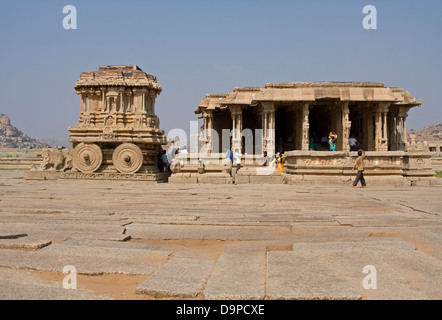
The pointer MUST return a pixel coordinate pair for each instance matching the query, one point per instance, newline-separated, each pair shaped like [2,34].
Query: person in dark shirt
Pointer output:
[359,165]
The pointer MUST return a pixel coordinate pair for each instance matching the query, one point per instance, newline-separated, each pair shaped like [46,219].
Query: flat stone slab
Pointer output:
[8,236]
[24,243]
[17,285]
[402,272]
[106,252]
[85,264]
[67,229]
[239,274]
[179,277]
[292,276]
[155,231]
[114,244]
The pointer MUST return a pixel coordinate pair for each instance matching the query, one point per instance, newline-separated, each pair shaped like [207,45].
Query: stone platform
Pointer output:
[196,241]
[153,177]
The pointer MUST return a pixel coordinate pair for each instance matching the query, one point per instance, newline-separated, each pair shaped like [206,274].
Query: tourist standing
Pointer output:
[165,161]
[229,155]
[160,161]
[237,159]
[280,164]
[313,145]
[332,137]
[266,160]
[324,141]
[359,165]
[353,143]
[331,144]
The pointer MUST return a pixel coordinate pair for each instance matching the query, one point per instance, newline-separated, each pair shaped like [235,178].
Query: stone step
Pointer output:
[179,277]
[238,274]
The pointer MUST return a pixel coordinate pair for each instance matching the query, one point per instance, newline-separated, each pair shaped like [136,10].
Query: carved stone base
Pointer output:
[152,177]
[41,175]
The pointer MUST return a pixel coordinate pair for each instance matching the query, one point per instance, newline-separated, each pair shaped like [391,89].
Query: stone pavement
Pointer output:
[221,241]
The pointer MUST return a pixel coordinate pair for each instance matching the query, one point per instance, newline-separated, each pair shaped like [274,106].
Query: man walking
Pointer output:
[359,164]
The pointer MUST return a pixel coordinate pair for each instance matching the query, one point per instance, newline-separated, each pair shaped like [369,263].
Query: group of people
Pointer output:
[164,161]
[330,142]
[234,158]
[277,161]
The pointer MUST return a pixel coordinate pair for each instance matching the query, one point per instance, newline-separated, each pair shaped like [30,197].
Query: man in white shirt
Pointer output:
[237,159]
[353,143]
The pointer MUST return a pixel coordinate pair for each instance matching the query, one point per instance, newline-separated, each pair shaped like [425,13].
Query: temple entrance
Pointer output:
[251,140]
[222,121]
[285,129]
[357,127]
[320,119]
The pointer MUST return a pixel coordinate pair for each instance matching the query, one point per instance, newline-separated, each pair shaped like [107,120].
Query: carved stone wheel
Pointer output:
[87,157]
[127,158]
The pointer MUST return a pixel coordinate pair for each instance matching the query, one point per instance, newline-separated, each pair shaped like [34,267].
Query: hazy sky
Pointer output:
[199,47]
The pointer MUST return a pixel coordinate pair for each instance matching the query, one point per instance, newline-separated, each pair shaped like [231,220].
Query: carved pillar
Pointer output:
[381,127]
[305,127]
[83,103]
[108,105]
[346,127]
[102,107]
[150,108]
[392,132]
[129,100]
[268,139]
[236,112]
[401,127]
[138,105]
[207,129]
[121,108]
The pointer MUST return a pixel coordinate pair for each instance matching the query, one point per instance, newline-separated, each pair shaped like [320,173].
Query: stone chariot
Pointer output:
[117,135]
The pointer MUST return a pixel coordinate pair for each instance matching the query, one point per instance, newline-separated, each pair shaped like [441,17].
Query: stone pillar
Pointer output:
[381,127]
[305,127]
[108,106]
[121,109]
[401,128]
[103,100]
[83,103]
[236,112]
[392,132]
[207,129]
[129,101]
[151,103]
[346,127]
[138,105]
[268,139]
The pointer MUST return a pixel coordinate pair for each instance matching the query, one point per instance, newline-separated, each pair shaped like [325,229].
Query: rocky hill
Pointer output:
[11,137]
[428,133]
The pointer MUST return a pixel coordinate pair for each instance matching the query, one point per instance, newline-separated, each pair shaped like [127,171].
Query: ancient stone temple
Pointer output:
[117,135]
[295,119]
